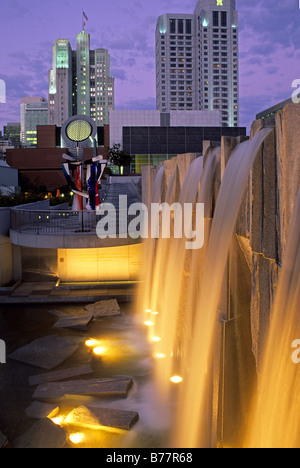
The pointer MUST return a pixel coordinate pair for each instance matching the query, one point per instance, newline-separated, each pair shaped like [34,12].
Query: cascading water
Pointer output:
[191,427]
[149,250]
[276,408]
[166,292]
[183,292]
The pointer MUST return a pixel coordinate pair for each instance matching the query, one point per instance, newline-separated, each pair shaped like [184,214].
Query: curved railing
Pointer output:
[65,222]
[53,222]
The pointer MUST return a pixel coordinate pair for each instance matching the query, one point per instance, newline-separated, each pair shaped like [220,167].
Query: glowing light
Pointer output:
[148,323]
[156,338]
[204,22]
[58,420]
[155,313]
[76,438]
[176,379]
[160,355]
[148,311]
[99,350]
[90,343]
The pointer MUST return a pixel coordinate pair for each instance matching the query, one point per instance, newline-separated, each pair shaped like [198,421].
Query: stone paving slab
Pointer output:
[107,308]
[38,410]
[43,434]
[59,375]
[47,353]
[110,387]
[77,322]
[83,416]
[3,441]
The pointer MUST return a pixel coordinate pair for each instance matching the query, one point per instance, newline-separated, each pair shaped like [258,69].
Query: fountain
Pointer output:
[208,312]
[275,422]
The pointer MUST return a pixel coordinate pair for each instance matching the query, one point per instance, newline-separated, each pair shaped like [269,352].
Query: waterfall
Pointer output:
[276,406]
[191,425]
[167,288]
[149,251]
[182,294]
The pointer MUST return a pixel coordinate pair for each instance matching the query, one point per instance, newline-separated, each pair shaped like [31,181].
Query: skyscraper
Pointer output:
[197,60]
[80,82]
[60,83]
[33,112]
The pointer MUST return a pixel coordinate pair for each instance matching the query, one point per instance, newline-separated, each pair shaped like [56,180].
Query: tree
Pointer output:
[118,157]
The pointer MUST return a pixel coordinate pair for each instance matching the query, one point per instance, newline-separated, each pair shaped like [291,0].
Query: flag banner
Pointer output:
[77,198]
[66,171]
[92,179]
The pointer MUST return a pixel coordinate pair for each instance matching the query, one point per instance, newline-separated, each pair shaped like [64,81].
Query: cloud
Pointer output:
[148,103]
[272,70]
[119,74]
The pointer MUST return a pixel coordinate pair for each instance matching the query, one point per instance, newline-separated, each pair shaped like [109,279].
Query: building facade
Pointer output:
[118,119]
[12,131]
[80,82]
[197,60]
[33,112]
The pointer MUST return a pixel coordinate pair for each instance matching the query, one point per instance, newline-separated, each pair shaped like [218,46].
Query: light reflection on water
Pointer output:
[126,353]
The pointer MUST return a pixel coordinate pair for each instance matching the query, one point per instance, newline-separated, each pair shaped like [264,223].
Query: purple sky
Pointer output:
[269,48]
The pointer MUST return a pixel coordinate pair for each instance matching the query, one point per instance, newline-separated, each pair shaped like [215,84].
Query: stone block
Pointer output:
[47,353]
[43,434]
[38,410]
[109,308]
[115,387]
[264,286]
[288,167]
[94,417]
[59,375]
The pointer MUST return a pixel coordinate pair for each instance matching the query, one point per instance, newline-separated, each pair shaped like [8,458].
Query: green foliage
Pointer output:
[117,157]
[19,199]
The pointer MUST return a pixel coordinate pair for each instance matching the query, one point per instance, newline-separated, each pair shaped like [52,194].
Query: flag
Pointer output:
[77,201]
[84,19]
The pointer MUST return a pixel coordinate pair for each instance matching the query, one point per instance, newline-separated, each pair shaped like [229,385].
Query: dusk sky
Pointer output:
[269,46]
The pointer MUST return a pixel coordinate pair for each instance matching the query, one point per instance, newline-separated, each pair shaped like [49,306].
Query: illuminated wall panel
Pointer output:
[105,264]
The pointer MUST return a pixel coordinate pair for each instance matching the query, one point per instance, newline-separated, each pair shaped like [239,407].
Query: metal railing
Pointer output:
[60,223]
[54,222]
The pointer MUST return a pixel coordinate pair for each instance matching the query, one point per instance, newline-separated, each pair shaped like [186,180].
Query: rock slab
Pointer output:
[43,434]
[100,309]
[38,410]
[59,375]
[76,322]
[110,387]
[47,353]
[83,416]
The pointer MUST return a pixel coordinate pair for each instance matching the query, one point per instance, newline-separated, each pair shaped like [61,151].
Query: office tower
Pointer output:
[197,60]
[102,86]
[80,82]
[60,83]
[33,112]
[12,132]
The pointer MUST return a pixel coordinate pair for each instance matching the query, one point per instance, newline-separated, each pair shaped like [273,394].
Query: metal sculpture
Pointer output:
[77,133]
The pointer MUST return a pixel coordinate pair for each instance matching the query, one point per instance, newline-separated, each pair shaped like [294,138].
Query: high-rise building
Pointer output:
[12,131]
[80,82]
[60,83]
[197,60]
[33,112]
